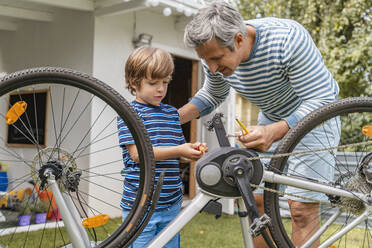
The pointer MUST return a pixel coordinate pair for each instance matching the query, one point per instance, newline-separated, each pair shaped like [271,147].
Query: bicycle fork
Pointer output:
[75,230]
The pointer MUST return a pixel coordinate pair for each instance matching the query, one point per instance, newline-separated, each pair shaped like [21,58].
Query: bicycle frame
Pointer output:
[203,198]
[76,232]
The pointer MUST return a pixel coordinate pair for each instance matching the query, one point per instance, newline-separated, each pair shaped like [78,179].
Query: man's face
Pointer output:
[218,58]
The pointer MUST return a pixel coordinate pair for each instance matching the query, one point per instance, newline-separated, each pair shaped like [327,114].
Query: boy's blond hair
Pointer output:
[147,63]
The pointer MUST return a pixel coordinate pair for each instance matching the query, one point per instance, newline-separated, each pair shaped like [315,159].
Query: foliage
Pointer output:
[352,131]
[341,29]
[25,207]
[41,206]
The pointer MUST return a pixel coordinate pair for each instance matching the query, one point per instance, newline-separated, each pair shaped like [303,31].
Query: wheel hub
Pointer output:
[360,182]
[52,167]
[55,160]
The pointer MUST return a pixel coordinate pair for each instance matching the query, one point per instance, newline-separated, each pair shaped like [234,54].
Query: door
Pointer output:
[182,87]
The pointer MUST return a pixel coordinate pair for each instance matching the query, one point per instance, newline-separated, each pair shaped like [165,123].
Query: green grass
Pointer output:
[204,230]
[207,231]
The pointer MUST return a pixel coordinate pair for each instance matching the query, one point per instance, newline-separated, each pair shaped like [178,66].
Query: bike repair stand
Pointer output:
[224,172]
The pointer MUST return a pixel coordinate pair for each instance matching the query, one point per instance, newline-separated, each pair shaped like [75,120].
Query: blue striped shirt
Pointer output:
[284,75]
[163,126]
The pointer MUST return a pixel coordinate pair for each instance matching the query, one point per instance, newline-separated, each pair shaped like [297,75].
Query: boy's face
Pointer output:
[152,91]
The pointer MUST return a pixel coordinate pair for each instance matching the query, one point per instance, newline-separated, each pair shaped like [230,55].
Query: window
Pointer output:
[30,128]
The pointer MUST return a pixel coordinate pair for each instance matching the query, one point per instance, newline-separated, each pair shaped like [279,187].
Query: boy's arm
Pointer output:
[186,150]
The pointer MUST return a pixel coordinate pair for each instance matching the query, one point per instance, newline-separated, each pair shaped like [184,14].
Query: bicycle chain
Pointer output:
[300,153]
[310,151]
[301,197]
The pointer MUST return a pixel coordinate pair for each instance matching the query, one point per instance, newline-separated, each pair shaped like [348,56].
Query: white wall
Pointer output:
[5,37]
[67,41]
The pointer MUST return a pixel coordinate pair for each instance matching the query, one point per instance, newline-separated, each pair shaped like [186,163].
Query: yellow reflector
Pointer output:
[367,131]
[96,221]
[15,112]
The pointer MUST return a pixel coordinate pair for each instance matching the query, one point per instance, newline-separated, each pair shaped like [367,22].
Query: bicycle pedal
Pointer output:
[260,224]
[95,221]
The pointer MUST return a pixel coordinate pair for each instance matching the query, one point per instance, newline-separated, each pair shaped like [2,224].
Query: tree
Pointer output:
[341,29]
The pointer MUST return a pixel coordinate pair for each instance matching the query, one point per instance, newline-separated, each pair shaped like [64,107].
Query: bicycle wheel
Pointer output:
[70,127]
[312,139]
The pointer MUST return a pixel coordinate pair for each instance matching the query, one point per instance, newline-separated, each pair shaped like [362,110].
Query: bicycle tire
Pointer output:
[359,110]
[68,90]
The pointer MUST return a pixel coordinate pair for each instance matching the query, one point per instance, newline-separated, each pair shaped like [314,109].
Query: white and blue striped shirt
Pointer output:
[163,126]
[284,75]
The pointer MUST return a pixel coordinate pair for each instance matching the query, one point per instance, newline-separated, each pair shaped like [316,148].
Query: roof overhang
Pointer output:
[12,11]
[167,7]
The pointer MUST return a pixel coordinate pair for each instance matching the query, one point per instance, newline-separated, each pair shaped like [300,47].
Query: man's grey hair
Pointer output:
[216,20]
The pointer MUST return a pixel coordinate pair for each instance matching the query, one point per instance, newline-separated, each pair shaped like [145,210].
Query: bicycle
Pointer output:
[76,157]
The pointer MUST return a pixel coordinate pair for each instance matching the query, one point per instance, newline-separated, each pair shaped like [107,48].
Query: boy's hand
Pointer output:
[189,150]
[201,147]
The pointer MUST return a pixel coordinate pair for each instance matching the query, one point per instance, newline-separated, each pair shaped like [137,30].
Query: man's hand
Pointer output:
[261,138]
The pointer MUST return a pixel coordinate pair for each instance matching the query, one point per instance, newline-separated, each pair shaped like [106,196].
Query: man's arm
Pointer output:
[188,112]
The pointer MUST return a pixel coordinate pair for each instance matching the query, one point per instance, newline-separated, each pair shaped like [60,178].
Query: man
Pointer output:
[273,63]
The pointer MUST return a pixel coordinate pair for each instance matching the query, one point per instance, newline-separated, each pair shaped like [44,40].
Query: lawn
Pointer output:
[207,231]
[203,231]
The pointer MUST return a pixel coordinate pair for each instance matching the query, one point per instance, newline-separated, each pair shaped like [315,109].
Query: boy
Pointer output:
[148,71]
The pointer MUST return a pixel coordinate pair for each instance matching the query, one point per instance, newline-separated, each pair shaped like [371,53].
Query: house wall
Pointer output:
[67,41]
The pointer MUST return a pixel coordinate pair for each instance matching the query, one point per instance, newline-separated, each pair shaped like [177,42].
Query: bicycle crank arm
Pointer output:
[243,184]
[259,224]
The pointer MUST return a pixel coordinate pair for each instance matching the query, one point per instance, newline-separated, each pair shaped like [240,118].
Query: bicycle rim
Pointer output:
[345,118]
[70,125]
